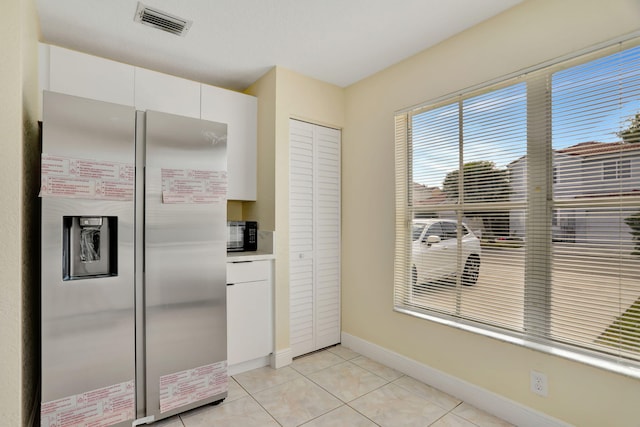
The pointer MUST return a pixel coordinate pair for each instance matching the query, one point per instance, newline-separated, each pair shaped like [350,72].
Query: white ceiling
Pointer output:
[233,42]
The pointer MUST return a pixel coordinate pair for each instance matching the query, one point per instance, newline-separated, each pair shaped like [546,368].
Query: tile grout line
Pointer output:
[322,369]
[321,415]
[343,403]
[369,370]
[272,386]
[347,404]
[306,376]
[450,411]
[362,414]
[249,394]
[335,361]
[265,409]
[307,421]
[460,416]
[460,402]
[407,390]
[329,391]
[285,382]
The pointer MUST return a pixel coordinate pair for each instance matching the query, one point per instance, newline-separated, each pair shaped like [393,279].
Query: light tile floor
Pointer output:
[332,388]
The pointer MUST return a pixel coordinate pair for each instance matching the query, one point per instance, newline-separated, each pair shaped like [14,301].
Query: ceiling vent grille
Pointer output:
[162,20]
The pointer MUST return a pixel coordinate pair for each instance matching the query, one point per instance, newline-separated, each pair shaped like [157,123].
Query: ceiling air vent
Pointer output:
[162,20]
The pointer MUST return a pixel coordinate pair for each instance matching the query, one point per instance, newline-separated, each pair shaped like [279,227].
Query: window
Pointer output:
[435,230]
[616,169]
[532,186]
[449,230]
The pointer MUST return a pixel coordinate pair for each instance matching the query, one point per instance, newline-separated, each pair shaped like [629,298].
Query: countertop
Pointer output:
[249,256]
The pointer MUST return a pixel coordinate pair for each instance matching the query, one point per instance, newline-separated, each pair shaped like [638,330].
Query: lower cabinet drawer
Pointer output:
[248,271]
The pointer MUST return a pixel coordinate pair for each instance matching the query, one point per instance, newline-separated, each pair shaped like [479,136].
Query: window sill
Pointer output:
[613,364]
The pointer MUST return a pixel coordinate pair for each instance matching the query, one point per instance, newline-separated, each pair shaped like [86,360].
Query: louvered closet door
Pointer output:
[301,237]
[314,237]
[327,236]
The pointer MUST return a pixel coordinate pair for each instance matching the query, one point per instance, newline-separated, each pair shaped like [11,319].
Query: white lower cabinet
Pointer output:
[249,312]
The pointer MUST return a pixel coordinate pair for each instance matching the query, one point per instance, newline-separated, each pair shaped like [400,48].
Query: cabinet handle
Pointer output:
[240,262]
[230,284]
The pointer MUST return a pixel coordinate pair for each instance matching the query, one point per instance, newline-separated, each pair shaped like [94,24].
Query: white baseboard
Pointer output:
[281,358]
[239,368]
[481,398]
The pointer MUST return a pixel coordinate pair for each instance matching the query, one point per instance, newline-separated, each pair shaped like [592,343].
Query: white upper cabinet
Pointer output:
[79,74]
[87,76]
[240,113]
[169,94]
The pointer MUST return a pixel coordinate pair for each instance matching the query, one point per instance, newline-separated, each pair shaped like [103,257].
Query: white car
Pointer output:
[435,252]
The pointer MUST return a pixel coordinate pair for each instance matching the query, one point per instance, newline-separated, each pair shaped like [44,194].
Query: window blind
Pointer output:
[518,207]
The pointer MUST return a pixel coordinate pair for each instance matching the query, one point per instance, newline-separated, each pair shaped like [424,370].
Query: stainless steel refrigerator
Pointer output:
[133,279]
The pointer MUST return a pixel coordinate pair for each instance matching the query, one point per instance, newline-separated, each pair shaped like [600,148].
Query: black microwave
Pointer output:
[242,236]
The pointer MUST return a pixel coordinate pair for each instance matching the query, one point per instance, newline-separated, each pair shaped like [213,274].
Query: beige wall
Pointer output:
[531,33]
[18,125]
[234,210]
[284,94]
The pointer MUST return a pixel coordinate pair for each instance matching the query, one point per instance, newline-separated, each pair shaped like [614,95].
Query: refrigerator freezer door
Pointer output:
[87,322]
[185,253]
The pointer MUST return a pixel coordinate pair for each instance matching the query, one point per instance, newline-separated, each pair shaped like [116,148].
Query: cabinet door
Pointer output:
[249,323]
[240,113]
[168,94]
[87,76]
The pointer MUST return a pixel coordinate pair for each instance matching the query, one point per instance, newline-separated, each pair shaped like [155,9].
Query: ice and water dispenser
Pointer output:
[89,247]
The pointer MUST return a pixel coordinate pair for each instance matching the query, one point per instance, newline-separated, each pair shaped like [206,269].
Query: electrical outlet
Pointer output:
[539,383]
